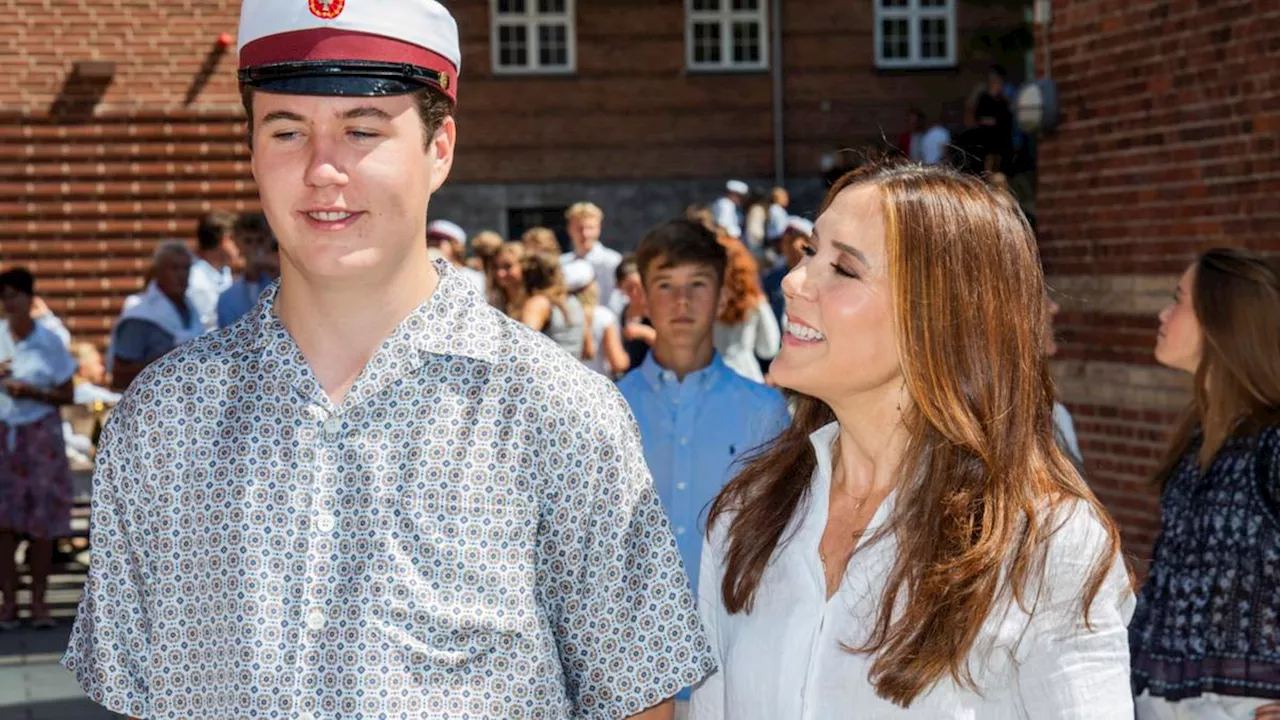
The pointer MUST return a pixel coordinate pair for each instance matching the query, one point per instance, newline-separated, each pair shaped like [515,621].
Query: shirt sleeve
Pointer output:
[610,575]
[1070,671]
[707,701]
[61,363]
[109,647]
[140,341]
[53,324]
[768,335]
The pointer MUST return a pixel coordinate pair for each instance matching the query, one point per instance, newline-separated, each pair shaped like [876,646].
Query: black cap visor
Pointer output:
[353,79]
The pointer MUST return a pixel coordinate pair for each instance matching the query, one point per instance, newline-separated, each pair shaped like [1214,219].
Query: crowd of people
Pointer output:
[762,467]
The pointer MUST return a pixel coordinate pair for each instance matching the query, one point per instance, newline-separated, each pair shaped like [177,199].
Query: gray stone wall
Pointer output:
[630,208]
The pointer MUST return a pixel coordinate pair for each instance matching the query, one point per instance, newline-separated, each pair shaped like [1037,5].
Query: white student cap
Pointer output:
[800,225]
[446,229]
[348,47]
[737,186]
[578,274]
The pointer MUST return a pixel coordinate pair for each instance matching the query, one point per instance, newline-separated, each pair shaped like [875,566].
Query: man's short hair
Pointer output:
[582,210]
[213,227]
[168,249]
[19,279]
[680,242]
[433,107]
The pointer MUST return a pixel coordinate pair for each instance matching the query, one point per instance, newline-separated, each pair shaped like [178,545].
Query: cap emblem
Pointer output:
[326,9]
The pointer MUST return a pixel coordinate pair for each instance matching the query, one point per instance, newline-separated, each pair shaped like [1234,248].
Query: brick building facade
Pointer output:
[120,122]
[1168,146]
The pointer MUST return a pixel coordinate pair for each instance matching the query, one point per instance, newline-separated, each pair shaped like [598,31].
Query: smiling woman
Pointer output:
[915,545]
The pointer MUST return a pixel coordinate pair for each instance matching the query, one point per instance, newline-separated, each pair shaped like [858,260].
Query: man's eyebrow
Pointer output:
[282,115]
[366,111]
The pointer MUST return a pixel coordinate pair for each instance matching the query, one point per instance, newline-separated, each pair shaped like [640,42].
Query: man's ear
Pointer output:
[441,149]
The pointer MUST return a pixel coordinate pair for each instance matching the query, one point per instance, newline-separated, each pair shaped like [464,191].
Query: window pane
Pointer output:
[706,43]
[893,3]
[895,41]
[513,46]
[746,4]
[746,43]
[933,38]
[551,6]
[706,4]
[511,7]
[933,3]
[553,45]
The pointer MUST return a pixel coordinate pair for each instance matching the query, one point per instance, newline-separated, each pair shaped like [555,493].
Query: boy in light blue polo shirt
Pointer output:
[697,417]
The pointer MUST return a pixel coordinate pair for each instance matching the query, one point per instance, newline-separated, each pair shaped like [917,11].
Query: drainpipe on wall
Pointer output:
[779,142]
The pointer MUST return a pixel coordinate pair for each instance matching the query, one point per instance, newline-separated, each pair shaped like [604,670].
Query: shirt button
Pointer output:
[332,427]
[315,621]
[306,716]
[680,530]
[684,441]
[681,486]
[325,522]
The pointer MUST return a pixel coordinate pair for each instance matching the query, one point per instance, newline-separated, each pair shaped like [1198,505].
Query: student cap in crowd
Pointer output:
[348,47]
[448,230]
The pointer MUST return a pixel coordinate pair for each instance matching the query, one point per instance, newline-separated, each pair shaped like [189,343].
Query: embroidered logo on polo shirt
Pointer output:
[326,9]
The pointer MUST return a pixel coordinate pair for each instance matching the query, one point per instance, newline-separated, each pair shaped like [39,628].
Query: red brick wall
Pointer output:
[1168,146]
[84,198]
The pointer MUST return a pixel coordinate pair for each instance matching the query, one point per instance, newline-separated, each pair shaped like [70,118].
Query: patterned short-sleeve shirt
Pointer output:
[472,533]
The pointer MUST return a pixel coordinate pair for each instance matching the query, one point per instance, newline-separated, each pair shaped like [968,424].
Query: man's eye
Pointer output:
[362,135]
[808,250]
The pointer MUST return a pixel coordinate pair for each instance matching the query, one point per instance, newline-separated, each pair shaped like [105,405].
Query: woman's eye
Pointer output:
[846,273]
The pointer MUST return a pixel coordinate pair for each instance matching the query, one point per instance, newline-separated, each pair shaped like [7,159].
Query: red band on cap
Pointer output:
[321,44]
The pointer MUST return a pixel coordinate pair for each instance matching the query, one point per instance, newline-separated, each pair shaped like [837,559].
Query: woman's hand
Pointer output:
[19,390]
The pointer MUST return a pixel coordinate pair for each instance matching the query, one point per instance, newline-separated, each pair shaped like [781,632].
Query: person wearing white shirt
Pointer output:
[728,211]
[915,545]
[216,262]
[35,480]
[584,222]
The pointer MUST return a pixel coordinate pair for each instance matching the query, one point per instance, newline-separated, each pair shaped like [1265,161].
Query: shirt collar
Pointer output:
[659,377]
[453,321]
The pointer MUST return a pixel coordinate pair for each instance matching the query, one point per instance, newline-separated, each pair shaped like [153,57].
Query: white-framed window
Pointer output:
[727,34]
[915,33]
[532,36]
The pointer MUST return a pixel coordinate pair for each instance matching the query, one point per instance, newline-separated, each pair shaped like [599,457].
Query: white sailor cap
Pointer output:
[447,229]
[800,225]
[336,47]
[578,274]
[737,186]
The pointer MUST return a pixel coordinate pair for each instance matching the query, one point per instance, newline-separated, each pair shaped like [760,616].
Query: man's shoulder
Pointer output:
[197,361]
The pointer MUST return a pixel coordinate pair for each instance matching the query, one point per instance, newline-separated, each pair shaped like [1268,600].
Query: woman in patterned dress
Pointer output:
[35,479]
[1205,638]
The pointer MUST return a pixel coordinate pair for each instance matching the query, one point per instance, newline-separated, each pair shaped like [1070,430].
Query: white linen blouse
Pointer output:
[786,659]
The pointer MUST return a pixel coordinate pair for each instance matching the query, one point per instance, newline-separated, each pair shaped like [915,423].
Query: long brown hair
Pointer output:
[741,282]
[543,276]
[1236,298]
[982,478]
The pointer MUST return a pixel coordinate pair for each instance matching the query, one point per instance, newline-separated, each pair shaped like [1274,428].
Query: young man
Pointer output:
[584,221]
[697,417]
[216,263]
[261,253]
[373,497]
